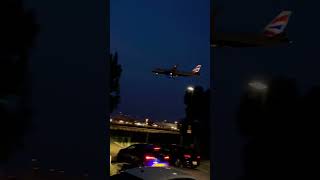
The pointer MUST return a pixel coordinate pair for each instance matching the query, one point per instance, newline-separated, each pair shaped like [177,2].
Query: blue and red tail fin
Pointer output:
[196,70]
[277,25]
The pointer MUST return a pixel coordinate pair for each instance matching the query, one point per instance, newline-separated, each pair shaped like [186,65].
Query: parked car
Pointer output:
[181,156]
[152,173]
[144,155]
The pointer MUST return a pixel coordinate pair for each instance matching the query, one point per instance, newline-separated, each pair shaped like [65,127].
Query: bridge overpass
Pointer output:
[142,129]
[123,135]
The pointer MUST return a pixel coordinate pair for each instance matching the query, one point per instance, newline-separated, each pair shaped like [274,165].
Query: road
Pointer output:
[200,173]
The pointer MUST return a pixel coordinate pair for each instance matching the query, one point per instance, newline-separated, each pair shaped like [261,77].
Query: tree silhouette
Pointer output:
[308,132]
[17,34]
[116,71]
[269,125]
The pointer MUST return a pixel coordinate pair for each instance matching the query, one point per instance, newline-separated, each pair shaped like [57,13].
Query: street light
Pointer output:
[177,125]
[258,85]
[259,89]
[190,88]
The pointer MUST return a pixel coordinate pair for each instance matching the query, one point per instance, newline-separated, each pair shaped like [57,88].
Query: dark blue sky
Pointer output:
[149,34]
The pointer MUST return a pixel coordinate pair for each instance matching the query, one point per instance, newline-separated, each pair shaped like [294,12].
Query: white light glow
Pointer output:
[190,88]
[258,85]
[138,124]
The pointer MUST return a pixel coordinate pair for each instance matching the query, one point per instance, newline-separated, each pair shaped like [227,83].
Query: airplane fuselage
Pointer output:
[246,40]
[174,73]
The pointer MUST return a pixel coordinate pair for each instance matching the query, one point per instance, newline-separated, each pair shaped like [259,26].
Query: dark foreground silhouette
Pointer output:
[17,34]
[280,127]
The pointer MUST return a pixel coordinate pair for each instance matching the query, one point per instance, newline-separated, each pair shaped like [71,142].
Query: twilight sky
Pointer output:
[149,34]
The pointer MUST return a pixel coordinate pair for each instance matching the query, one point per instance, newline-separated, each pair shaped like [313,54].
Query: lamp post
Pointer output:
[189,128]
[260,88]
[190,89]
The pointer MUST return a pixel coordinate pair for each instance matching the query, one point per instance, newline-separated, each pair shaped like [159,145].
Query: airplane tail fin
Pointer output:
[277,25]
[196,70]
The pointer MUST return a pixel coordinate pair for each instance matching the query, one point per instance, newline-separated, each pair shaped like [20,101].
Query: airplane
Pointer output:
[174,72]
[273,34]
